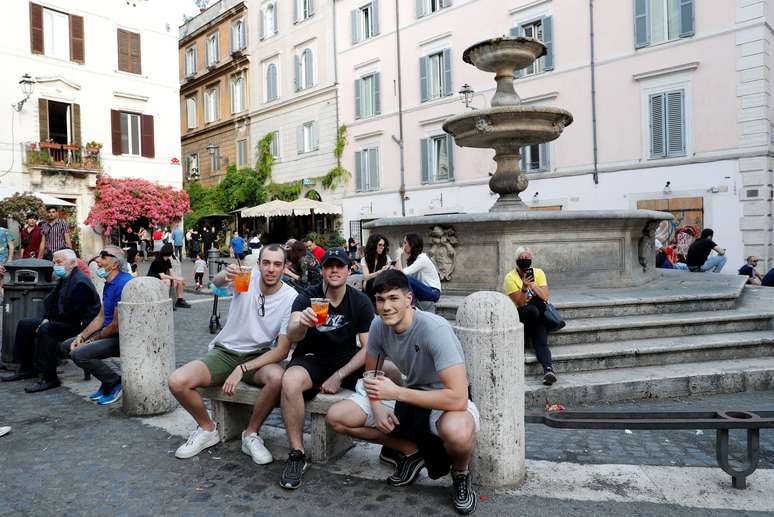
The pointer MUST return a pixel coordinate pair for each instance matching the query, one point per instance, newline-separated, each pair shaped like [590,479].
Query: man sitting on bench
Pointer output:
[433,403]
[326,355]
[243,351]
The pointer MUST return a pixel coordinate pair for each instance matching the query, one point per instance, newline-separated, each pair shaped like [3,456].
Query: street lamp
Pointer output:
[211,149]
[466,95]
[27,85]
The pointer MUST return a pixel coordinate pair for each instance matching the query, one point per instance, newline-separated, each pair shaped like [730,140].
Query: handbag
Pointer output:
[553,317]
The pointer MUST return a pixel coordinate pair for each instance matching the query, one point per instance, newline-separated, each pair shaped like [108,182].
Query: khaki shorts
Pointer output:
[221,361]
[361,399]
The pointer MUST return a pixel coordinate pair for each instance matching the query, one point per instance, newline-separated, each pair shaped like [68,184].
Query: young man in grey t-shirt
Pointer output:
[427,352]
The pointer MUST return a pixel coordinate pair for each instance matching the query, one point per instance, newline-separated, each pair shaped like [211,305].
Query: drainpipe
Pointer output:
[593,93]
[402,189]
[335,66]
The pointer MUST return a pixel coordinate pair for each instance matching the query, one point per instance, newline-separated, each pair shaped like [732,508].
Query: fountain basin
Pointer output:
[583,249]
[507,126]
[504,54]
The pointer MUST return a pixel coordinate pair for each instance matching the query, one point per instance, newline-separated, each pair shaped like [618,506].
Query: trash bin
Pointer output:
[27,282]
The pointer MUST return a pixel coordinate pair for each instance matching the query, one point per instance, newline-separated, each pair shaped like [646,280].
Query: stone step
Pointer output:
[680,380]
[601,330]
[654,352]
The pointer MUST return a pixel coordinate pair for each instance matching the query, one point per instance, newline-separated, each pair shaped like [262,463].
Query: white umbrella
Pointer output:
[304,206]
[273,208]
[6,192]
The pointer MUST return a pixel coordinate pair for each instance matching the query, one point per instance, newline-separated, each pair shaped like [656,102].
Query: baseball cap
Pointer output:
[335,254]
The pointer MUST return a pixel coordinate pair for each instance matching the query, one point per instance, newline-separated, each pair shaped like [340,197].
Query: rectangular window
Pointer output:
[192,164]
[190,109]
[190,61]
[534,158]
[435,75]
[667,124]
[275,144]
[211,104]
[435,78]
[540,29]
[534,30]
[367,170]
[242,153]
[215,160]
[130,133]
[367,96]
[365,22]
[129,53]
[425,7]
[437,159]
[308,137]
[56,34]
[656,21]
[238,35]
[211,50]
[237,94]
[303,9]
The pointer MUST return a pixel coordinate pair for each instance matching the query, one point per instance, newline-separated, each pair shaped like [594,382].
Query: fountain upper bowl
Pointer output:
[504,54]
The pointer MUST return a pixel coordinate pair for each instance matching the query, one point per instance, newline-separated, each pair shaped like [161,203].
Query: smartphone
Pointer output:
[529,273]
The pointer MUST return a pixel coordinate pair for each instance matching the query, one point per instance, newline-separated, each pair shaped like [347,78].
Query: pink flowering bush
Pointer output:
[120,202]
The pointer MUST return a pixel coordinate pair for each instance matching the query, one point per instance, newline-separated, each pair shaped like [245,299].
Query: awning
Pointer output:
[274,208]
[6,192]
[304,206]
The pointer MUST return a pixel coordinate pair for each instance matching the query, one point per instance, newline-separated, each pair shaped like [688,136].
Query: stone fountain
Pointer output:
[474,251]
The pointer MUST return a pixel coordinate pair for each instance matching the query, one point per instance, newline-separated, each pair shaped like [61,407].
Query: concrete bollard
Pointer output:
[492,338]
[146,327]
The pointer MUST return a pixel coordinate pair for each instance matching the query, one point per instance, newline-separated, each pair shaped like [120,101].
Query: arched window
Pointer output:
[269,21]
[271,82]
[306,70]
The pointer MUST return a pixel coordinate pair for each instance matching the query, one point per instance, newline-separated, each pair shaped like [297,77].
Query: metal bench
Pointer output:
[231,413]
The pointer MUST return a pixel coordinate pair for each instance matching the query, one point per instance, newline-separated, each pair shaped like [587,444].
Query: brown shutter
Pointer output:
[43,119]
[115,130]
[123,50]
[76,119]
[76,38]
[36,28]
[146,136]
[135,65]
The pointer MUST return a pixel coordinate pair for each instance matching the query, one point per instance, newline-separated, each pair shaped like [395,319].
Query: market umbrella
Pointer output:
[305,206]
[273,208]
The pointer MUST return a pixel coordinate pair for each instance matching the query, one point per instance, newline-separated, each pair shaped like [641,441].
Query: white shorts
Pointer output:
[361,399]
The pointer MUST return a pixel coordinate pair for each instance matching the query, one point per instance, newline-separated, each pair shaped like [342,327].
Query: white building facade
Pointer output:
[673,112]
[104,98]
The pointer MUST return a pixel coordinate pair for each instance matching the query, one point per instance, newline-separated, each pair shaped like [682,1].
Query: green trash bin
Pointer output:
[27,282]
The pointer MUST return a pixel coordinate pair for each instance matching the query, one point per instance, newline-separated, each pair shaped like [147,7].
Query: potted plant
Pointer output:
[93,147]
[50,144]
[71,147]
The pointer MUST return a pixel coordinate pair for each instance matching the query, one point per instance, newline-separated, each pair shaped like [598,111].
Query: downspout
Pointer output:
[335,66]
[593,93]
[402,189]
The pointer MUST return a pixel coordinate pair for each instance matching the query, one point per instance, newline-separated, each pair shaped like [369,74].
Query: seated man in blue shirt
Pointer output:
[99,340]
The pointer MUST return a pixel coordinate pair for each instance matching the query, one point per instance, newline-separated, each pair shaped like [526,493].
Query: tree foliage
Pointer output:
[17,207]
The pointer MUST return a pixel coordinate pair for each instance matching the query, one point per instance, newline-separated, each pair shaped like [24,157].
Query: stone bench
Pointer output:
[232,413]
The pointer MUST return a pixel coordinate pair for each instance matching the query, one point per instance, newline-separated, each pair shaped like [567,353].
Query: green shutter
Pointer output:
[358,171]
[375,18]
[641,23]
[424,88]
[548,41]
[686,18]
[450,155]
[376,81]
[358,99]
[425,156]
[448,88]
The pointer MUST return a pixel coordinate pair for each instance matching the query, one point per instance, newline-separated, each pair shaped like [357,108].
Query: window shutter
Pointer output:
[123,50]
[657,126]
[297,73]
[315,136]
[424,88]
[420,8]
[355,21]
[545,159]
[115,131]
[36,28]
[375,18]
[76,120]
[271,82]
[686,18]
[523,158]
[450,155]
[675,123]
[424,145]
[309,69]
[311,9]
[146,136]
[300,139]
[135,53]
[548,41]
[43,119]
[358,171]
[260,25]
[233,39]
[373,169]
[445,3]
[76,39]
[515,33]
[641,24]
[377,93]
[276,17]
[295,10]
[447,73]
[358,98]
[243,35]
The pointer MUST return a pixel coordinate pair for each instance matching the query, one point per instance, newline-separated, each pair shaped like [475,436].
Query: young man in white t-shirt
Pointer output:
[250,348]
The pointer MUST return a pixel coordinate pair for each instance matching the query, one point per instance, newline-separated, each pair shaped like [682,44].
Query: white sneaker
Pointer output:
[197,442]
[253,446]
[5,430]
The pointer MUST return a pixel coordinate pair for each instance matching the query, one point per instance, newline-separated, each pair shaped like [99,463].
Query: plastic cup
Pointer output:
[372,374]
[242,280]
[320,308]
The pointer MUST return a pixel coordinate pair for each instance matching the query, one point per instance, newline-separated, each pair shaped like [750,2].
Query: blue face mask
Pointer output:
[102,273]
[60,271]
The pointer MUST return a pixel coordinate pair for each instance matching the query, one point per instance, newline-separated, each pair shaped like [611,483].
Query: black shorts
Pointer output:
[320,371]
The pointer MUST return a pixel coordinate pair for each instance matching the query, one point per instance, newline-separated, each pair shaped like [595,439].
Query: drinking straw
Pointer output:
[379,361]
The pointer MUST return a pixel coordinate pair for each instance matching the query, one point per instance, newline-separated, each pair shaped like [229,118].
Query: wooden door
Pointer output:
[687,224]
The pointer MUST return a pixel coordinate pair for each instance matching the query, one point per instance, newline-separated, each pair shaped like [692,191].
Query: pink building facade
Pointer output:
[678,115]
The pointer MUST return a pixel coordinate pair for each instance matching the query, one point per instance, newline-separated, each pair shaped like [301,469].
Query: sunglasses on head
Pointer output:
[105,254]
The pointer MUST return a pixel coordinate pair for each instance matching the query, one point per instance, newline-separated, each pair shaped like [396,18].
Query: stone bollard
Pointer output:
[146,327]
[492,338]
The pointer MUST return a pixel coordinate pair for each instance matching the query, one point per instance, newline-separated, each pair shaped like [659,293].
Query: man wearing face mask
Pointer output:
[99,340]
[67,309]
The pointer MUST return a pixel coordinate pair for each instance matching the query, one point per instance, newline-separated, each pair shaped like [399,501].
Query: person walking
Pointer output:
[237,246]
[699,259]
[55,234]
[158,240]
[178,239]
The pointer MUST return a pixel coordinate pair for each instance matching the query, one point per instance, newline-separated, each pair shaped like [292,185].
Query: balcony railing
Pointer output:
[54,156]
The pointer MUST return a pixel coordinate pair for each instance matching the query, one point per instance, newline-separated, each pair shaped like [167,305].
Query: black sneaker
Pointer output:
[549,377]
[407,469]
[294,469]
[389,456]
[182,303]
[464,496]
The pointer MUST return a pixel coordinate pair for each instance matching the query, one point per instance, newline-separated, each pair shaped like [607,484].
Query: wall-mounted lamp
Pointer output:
[211,149]
[27,85]
[466,95]
[668,188]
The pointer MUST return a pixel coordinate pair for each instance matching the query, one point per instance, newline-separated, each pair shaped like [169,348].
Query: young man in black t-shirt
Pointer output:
[699,259]
[326,357]
[161,268]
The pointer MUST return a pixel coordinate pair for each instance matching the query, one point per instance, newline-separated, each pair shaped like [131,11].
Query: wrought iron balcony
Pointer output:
[55,157]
